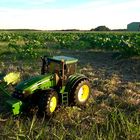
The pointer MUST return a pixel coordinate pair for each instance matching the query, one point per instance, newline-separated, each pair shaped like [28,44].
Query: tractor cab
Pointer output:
[62,66]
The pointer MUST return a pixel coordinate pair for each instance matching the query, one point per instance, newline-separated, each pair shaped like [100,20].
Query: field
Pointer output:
[111,61]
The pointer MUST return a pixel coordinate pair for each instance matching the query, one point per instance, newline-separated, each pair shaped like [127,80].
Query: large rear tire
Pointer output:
[81,93]
[48,102]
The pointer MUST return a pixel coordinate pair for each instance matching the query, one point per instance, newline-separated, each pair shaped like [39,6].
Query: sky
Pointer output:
[68,14]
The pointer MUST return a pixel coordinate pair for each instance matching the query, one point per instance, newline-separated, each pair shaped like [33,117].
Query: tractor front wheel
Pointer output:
[48,102]
[82,92]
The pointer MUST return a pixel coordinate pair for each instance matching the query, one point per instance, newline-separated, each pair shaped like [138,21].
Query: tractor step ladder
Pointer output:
[65,99]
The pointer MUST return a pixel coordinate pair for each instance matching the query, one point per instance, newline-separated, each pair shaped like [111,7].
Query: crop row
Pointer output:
[127,43]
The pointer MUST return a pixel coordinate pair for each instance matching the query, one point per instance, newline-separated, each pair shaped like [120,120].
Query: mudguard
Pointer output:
[73,81]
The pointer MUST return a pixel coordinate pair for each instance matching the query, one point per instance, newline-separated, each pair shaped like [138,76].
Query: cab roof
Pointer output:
[65,59]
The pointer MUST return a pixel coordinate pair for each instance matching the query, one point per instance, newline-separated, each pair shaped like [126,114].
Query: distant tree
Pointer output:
[92,29]
[101,28]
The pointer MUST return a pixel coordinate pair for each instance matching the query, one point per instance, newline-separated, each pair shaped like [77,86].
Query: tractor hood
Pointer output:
[34,83]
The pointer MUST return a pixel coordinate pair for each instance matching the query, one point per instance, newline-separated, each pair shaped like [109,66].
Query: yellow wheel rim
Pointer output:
[83,93]
[53,104]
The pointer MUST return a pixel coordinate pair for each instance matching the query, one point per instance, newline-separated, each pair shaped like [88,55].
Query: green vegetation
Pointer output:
[113,111]
[24,43]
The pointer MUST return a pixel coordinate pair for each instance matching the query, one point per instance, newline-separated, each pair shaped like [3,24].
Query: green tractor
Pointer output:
[58,84]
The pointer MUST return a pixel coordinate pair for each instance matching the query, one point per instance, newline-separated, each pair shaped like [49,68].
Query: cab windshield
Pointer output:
[54,67]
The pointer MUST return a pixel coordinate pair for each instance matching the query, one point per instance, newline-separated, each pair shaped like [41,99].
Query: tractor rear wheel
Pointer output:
[48,102]
[82,92]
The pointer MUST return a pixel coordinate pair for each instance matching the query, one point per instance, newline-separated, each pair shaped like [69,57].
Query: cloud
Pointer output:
[84,16]
[110,13]
[36,2]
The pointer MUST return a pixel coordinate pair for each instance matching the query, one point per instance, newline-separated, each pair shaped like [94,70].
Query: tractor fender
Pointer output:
[73,81]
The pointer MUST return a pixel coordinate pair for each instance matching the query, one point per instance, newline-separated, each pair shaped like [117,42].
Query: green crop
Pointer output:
[26,43]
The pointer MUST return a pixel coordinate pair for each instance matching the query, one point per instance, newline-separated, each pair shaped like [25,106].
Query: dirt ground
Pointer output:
[105,64]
